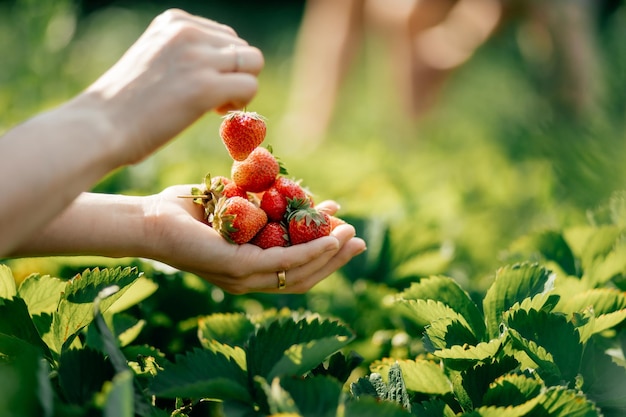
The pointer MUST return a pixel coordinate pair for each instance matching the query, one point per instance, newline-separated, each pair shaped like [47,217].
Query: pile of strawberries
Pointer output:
[258,203]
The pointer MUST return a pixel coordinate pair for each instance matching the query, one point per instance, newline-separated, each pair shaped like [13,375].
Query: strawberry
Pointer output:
[307,223]
[237,219]
[231,190]
[242,132]
[212,190]
[279,195]
[272,234]
[257,172]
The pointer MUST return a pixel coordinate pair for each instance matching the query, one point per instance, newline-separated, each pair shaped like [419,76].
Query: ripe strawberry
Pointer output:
[307,223]
[242,132]
[279,195]
[272,234]
[257,172]
[237,219]
[212,190]
[231,190]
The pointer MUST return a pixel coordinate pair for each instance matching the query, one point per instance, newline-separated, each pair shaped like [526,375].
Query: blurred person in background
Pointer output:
[426,41]
[180,68]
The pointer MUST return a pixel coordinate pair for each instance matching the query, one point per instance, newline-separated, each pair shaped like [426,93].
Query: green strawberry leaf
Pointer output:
[512,285]
[604,381]
[119,396]
[201,373]
[314,396]
[554,333]
[17,323]
[445,333]
[424,312]
[448,292]
[421,376]
[7,283]
[82,372]
[561,402]
[41,293]
[233,329]
[521,410]
[294,347]
[278,399]
[512,389]
[367,406]
[608,267]
[471,383]
[602,301]
[75,309]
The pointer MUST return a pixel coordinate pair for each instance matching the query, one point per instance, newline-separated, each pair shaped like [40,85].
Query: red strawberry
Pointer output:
[272,234]
[274,204]
[231,190]
[307,223]
[279,195]
[257,172]
[237,219]
[241,132]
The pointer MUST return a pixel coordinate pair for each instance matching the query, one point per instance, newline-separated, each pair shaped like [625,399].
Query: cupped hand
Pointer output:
[180,238]
[180,68]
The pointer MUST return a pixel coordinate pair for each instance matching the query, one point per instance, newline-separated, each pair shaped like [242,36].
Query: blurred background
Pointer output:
[510,118]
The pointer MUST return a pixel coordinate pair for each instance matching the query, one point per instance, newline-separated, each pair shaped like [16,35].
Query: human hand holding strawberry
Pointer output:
[258,184]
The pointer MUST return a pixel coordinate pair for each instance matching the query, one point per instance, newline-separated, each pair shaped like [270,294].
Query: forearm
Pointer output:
[45,163]
[94,224]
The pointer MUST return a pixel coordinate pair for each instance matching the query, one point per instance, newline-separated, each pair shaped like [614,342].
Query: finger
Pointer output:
[235,91]
[244,59]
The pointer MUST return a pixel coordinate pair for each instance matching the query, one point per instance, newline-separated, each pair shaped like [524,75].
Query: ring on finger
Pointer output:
[282,279]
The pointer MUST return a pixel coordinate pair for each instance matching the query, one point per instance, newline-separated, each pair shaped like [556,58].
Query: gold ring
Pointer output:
[282,280]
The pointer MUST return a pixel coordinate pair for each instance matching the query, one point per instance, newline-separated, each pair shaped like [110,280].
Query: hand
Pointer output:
[180,68]
[182,239]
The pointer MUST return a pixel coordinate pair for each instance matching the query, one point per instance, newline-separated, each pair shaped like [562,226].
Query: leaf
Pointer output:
[432,408]
[25,388]
[552,332]
[424,312]
[561,402]
[279,400]
[445,333]
[233,329]
[448,292]
[471,383]
[41,293]
[512,390]
[604,381]
[396,388]
[201,373]
[16,322]
[509,411]
[609,267]
[369,407]
[512,285]
[119,396]
[7,283]
[75,310]
[421,376]
[294,347]
[602,301]
[340,366]
[480,352]
[82,372]
[316,396]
